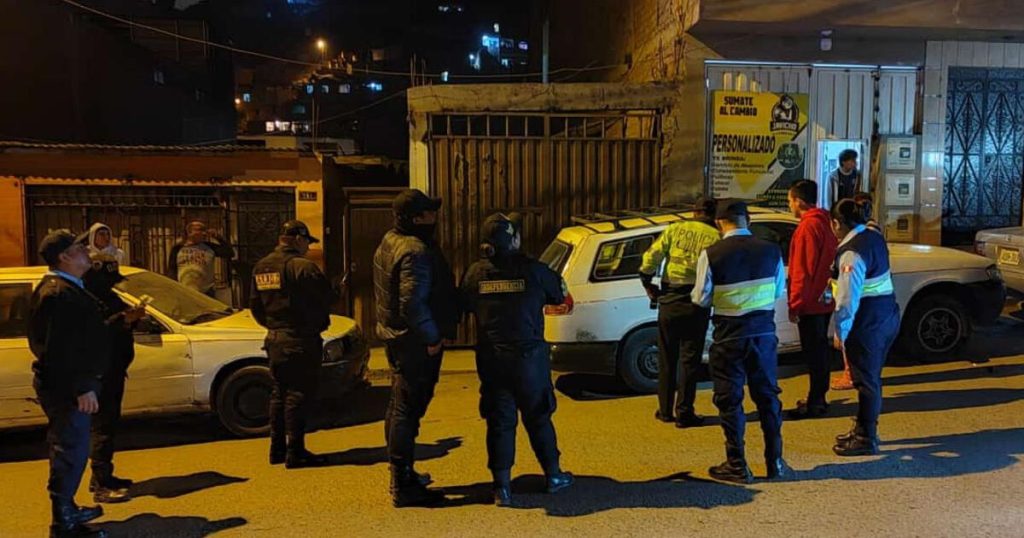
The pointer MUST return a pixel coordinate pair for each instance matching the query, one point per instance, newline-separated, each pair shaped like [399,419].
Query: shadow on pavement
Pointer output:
[933,400]
[169,487]
[937,457]
[594,494]
[589,387]
[377,455]
[363,406]
[962,374]
[156,525]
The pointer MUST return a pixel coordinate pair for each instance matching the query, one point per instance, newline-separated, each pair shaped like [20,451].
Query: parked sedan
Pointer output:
[192,354]
[1004,245]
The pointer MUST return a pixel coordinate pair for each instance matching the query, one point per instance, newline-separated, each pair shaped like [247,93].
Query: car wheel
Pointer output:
[243,401]
[638,362]
[935,328]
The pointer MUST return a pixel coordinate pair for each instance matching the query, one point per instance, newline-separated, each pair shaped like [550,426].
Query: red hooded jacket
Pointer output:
[811,254]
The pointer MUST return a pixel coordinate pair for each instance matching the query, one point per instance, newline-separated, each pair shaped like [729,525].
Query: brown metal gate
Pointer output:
[547,166]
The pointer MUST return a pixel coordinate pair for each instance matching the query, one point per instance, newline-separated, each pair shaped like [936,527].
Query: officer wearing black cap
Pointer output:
[741,277]
[292,298]
[507,291]
[68,337]
[417,309]
[120,319]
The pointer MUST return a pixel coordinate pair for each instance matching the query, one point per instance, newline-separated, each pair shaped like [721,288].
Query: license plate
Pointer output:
[1009,256]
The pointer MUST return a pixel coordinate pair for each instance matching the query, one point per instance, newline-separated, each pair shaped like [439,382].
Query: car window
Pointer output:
[556,255]
[622,258]
[14,306]
[180,303]
[780,233]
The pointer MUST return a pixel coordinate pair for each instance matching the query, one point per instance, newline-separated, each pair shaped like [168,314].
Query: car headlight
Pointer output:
[334,351]
[994,273]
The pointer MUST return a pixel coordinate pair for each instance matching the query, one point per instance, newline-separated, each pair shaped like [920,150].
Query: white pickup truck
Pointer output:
[607,325]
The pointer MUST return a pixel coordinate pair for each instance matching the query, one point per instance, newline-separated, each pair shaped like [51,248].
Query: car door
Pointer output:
[781,233]
[161,375]
[17,397]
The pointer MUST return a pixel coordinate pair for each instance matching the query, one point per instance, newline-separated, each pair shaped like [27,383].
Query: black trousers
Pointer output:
[682,331]
[68,438]
[104,426]
[817,354]
[751,361]
[414,376]
[294,365]
[874,331]
[514,380]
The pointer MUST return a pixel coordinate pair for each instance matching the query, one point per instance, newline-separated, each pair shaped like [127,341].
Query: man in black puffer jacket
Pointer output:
[417,309]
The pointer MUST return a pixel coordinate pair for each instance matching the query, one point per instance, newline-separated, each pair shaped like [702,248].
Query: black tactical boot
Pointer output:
[805,410]
[105,495]
[689,420]
[297,459]
[68,520]
[559,481]
[407,490]
[278,450]
[732,471]
[778,469]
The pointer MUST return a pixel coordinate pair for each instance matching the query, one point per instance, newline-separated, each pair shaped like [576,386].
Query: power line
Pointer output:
[365,70]
[362,108]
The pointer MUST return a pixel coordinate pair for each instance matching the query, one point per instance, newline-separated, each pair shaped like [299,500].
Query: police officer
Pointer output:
[741,277]
[120,318]
[682,326]
[866,319]
[417,309]
[507,291]
[68,337]
[291,297]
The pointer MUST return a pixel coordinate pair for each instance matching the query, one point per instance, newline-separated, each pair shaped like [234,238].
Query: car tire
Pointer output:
[638,361]
[935,328]
[243,401]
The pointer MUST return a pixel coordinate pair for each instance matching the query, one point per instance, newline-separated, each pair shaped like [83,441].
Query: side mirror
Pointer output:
[148,325]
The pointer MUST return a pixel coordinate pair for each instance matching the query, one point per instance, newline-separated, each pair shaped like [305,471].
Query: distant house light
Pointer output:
[247,97]
[270,126]
[497,28]
[472,57]
[523,45]
[344,88]
[325,88]
[485,40]
[444,76]
[375,86]
[504,62]
[309,89]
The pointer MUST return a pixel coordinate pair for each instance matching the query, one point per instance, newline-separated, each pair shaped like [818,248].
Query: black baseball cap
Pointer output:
[499,230]
[55,243]
[412,202]
[731,208]
[297,228]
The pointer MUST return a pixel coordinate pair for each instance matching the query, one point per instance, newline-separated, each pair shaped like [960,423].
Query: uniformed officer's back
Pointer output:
[508,295]
[290,292]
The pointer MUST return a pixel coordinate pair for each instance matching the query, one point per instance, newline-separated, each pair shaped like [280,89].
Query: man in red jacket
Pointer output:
[811,255]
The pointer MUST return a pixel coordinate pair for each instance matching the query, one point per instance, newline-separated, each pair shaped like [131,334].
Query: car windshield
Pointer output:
[170,298]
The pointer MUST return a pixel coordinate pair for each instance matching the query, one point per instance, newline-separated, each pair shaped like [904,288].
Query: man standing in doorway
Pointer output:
[844,182]
[192,259]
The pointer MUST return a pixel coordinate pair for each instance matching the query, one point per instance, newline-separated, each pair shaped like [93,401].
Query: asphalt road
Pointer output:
[953,436]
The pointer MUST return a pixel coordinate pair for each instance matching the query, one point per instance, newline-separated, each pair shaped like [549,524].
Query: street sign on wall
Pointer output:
[758,144]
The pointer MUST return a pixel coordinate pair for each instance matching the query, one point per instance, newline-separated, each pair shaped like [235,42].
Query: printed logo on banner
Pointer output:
[785,115]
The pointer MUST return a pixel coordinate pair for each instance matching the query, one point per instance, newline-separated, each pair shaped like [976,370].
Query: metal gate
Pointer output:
[984,151]
[549,167]
[147,222]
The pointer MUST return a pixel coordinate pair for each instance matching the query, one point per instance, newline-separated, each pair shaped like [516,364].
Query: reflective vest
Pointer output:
[871,248]
[743,275]
[679,246]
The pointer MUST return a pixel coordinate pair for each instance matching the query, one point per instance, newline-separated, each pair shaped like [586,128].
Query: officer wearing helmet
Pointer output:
[507,291]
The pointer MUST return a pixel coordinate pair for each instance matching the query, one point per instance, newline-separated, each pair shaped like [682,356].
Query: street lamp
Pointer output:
[321,45]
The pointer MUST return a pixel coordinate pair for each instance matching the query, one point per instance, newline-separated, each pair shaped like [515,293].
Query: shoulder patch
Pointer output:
[490,287]
[268,281]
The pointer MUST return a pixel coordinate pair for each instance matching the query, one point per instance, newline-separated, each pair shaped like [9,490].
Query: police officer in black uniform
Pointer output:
[507,291]
[68,337]
[292,297]
[120,319]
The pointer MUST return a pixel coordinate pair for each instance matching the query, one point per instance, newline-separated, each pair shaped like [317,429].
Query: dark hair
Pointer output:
[866,202]
[805,190]
[705,208]
[851,213]
[847,155]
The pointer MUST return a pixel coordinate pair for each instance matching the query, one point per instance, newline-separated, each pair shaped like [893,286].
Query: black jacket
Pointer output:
[414,290]
[122,339]
[69,338]
[508,295]
[291,293]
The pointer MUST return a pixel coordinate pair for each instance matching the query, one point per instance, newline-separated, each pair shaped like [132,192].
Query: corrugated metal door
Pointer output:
[549,167]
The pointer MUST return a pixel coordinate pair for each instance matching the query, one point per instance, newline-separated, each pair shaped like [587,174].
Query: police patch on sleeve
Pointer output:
[490,287]
[268,281]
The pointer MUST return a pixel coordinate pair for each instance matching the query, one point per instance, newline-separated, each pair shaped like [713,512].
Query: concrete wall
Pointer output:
[12,223]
